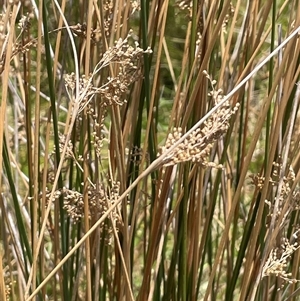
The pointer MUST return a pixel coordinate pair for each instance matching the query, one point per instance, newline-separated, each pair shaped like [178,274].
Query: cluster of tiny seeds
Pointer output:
[86,89]
[70,83]
[23,48]
[277,167]
[74,203]
[8,290]
[135,6]
[296,199]
[98,144]
[108,6]
[114,91]
[69,151]
[287,182]
[277,262]
[51,171]
[24,23]
[97,129]
[228,17]
[197,146]
[18,47]
[80,30]
[114,190]
[109,11]
[114,194]
[50,175]
[97,201]
[258,181]
[56,195]
[124,54]
[194,148]
[128,60]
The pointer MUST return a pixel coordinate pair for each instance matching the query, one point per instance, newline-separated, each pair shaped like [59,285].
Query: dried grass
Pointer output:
[150,150]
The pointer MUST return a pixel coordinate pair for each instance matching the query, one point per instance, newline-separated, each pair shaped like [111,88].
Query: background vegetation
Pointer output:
[150,150]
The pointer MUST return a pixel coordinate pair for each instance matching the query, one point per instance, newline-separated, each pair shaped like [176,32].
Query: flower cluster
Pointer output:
[135,6]
[122,52]
[24,23]
[97,133]
[74,203]
[278,259]
[280,209]
[86,90]
[127,63]
[285,190]
[99,202]
[62,142]
[18,47]
[80,30]
[196,146]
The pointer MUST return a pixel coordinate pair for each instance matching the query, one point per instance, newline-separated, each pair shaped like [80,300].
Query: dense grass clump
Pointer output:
[150,150]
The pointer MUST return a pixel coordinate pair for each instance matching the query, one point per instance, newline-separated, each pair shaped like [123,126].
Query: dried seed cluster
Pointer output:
[18,47]
[56,195]
[98,136]
[109,10]
[197,146]
[127,60]
[228,17]
[80,30]
[122,52]
[69,151]
[287,182]
[99,202]
[278,261]
[86,89]
[8,289]
[74,204]
[24,23]
[135,6]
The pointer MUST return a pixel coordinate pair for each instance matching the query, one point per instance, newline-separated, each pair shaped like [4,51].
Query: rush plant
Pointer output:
[150,150]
